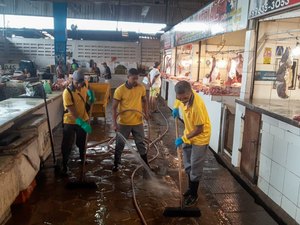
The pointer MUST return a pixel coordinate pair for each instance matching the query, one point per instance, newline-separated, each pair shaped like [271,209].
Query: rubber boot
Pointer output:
[144,157]
[117,161]
[193,197]
[145,173]
[194,188]
[188,191]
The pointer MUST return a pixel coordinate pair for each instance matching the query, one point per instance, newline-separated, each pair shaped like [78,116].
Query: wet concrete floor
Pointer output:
[221,198]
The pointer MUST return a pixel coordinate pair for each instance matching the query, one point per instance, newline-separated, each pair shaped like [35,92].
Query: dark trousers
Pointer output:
[138,136]
[69,133]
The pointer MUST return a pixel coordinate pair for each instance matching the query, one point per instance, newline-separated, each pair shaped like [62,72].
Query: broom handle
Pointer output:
[85,145]
[179,152]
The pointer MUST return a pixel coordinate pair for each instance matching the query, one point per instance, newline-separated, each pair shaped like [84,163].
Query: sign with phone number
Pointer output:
[265,7]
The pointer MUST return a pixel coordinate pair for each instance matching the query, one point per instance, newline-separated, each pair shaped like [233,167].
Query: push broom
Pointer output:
[83,182]
[180,211]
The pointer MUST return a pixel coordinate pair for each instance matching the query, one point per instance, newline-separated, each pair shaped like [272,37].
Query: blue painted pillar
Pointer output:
[60,31]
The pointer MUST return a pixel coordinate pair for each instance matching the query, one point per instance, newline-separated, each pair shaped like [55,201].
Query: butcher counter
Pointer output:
[20,160]
[270,149]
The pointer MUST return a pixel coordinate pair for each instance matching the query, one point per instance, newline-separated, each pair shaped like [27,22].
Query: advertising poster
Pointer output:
[267,56]
[221,16]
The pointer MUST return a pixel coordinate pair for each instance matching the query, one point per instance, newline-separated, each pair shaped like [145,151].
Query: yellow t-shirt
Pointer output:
[195,115]
[79,105]
[130,99]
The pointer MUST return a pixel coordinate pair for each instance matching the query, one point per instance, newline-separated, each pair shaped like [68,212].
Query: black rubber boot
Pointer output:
[193,197]
[144,157]
[188,191]
[117,161]
[194,188]
[145,173]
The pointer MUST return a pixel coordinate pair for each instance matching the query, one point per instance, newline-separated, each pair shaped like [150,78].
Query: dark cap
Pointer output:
[133,72]
[78,76]
[156,64]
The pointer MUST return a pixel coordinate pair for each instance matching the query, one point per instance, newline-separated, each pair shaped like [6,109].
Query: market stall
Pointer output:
[208,51]
[24,143]
[267,130]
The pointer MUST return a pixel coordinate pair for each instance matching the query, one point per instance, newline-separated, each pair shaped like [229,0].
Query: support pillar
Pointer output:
[60,31]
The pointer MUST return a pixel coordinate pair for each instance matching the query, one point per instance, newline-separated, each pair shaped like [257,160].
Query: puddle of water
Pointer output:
[136,155]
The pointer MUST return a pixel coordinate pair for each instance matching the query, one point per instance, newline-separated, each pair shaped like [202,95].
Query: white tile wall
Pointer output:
[263,185]
[276,131]
[293,159]
[291,186]
[266,127]
[267,144]
[238,135]
[265,164]
[292,138]
[289,128]
[277,176]
[270,120]
[280,151]
[289,207]
[275,195]
[280,162]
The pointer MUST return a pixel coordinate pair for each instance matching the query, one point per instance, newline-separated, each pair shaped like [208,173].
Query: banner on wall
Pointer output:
[221,16]
[264,7]
[265,75]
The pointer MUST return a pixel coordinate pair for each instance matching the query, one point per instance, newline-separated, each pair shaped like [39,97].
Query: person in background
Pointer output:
[59,70]
[26,73]
[155,83]
[96,70]
[75,119]
[195,137]
[74,65]
[130,96]
[107,73]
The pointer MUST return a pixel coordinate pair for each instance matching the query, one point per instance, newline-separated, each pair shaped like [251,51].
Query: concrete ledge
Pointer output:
[9,185]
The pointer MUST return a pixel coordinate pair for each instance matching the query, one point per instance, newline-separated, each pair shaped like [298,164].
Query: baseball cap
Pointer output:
[78,76]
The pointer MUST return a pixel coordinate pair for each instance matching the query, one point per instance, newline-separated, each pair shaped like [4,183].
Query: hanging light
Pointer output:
[296,50]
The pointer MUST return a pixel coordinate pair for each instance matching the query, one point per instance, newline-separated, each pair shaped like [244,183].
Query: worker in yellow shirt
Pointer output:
[75,97]
[130,96]
[195,137]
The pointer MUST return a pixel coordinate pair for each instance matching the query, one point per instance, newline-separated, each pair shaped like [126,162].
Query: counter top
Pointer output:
[283,110]
[13,108]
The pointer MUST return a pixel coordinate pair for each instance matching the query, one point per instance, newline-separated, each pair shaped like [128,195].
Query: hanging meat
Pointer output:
[234,70]
[214,72]
[282,73]
[239,68]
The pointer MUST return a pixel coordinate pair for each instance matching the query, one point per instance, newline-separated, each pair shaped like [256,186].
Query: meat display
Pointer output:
[282,73]
[60,85]
[234,70]
[214,72]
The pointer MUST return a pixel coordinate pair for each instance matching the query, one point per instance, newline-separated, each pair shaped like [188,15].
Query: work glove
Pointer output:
[175,112]
[178,142]
[91,96]
[84,125]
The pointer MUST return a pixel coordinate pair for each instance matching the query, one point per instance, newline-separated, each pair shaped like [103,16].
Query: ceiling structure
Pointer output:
[169,12]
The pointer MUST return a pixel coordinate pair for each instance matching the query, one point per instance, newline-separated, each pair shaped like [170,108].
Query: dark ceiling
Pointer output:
[169,12]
